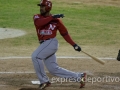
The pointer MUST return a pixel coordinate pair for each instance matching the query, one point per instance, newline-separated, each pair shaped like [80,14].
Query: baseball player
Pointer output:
[46,27]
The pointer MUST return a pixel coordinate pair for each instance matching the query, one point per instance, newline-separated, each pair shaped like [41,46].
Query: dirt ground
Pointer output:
[17,74]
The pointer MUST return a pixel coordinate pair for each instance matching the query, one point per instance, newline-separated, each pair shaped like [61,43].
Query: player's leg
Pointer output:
[45,50]
[54,69]
[39,67]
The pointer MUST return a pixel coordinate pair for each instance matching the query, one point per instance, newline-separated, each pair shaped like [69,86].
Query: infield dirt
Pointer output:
[20,73]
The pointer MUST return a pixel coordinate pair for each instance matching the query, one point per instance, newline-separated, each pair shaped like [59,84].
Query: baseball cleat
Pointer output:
[83,79]
[118,57]
[44,85]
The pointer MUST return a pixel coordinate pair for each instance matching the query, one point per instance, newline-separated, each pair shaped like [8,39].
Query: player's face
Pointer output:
[42,10]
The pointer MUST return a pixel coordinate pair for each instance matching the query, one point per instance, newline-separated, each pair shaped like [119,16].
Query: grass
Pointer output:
[87,24]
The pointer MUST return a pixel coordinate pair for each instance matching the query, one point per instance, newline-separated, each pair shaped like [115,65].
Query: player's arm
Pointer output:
[63,31]
[40,21]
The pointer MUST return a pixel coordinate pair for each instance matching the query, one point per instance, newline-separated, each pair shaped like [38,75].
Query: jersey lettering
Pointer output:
[45,32]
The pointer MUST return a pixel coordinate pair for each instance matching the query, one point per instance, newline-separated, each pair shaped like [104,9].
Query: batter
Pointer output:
[47,26]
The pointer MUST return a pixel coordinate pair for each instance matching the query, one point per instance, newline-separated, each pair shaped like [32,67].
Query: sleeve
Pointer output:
[63,31]
[39,21]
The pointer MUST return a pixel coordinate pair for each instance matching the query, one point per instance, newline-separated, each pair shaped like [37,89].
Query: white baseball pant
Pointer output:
[45,55]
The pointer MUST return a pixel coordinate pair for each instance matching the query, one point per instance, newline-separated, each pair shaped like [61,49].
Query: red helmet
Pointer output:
[47,4]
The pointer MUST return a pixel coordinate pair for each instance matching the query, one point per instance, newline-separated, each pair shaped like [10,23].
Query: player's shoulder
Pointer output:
[36,16]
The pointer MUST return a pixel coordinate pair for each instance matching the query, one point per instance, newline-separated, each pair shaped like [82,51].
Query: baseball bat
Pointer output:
[94,58]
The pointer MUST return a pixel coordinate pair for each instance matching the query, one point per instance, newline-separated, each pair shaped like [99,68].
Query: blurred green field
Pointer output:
[97,25]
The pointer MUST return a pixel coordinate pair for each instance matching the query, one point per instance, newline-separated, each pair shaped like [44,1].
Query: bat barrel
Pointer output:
[94,58]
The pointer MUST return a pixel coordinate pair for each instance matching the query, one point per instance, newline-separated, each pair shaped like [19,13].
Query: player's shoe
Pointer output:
[83,80]
[44,85]
[118,57]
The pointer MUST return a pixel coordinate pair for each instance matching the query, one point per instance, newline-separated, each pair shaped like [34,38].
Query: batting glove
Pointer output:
[76,47]
[58,16]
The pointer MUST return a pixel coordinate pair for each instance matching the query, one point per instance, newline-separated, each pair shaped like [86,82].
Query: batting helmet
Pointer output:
[47,4]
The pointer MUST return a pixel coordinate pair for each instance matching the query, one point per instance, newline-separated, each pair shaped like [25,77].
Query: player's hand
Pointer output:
[76,47]
[58,16]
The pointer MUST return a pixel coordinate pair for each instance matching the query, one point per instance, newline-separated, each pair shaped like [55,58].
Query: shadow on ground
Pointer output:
[29,89]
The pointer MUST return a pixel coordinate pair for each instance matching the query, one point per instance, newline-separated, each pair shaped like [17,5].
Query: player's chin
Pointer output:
[43,13]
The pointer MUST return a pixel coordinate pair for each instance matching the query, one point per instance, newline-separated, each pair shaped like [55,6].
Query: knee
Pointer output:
[33,56]
[53,70]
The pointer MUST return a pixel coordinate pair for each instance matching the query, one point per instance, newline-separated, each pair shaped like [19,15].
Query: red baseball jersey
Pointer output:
[46,28]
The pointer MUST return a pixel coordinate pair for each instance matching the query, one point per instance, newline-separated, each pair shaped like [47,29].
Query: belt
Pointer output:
[41,41]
